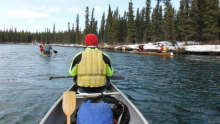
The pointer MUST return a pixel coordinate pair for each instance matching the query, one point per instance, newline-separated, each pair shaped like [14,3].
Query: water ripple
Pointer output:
[182,89]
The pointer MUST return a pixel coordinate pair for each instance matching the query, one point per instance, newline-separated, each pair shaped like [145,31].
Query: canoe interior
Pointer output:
[56,115]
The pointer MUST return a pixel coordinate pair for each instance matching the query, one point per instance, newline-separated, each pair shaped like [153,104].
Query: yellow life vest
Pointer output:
[91,69]
[164,49]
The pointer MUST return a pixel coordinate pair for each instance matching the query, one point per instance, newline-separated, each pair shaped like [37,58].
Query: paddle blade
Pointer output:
[50,78]
[117,76]
[69,102]
[55,51]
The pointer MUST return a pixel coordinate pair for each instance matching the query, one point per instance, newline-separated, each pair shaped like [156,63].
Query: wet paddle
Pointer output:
[55,51]
[54,77]
[69,104]
[116,76]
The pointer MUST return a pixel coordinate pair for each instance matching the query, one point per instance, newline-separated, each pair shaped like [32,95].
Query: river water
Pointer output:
[182,89]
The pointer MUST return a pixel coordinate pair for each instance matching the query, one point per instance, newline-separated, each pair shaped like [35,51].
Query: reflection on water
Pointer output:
[178,89]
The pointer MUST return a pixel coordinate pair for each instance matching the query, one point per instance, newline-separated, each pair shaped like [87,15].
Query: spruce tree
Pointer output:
[123,28]
[95,27]
[86,30]
[54,33]
[211,15]
[184,22]
[154,25]
[115,27]
[102,29]
[169,22]
[202,9]
[160,24]
[93,23]
[193,21]
[138,26]
[68,33]
[77,30]
[142,24]
[131,29]
[108,31]
[148,33]
[73,35]
[156,22]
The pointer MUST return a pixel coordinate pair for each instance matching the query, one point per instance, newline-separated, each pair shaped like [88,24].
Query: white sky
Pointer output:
[40,14]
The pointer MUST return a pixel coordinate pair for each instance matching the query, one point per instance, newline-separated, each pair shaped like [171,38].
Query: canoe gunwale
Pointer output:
[133,106]
[154,53]
[135,114]
[53,107]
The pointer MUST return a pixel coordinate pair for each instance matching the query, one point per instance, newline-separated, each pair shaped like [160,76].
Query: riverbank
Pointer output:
[179,48]
[193,48]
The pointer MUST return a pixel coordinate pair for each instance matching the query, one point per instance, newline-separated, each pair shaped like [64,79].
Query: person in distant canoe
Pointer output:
[141,48]
[47,48]
[41,47]
[163,49]
[91,67]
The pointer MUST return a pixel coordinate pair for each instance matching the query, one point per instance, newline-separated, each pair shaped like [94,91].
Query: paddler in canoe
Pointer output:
[47,47]
[92,68]
[141,48]
[161,52]
[42,48]
[163,49]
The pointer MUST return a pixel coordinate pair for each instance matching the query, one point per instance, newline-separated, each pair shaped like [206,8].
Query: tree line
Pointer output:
[195,20]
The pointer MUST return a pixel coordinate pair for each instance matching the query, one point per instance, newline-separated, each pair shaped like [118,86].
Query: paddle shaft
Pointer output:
[68,119]
[116,76]
[53,77]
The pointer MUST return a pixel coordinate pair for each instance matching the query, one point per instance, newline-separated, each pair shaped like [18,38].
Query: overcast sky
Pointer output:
[35,15]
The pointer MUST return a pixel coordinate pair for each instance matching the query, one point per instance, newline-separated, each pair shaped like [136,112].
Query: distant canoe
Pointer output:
[154,53]
[46,55]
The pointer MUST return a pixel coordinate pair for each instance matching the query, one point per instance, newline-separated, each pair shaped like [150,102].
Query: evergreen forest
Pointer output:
[195,20]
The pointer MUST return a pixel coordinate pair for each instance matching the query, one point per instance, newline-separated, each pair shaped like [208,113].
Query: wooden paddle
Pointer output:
[53,77]
[69,104]
[116,76]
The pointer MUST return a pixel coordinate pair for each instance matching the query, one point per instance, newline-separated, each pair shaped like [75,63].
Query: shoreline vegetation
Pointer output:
[193,48]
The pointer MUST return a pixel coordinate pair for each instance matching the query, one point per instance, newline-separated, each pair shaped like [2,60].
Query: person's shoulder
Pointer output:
[78,55]
[104,54]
